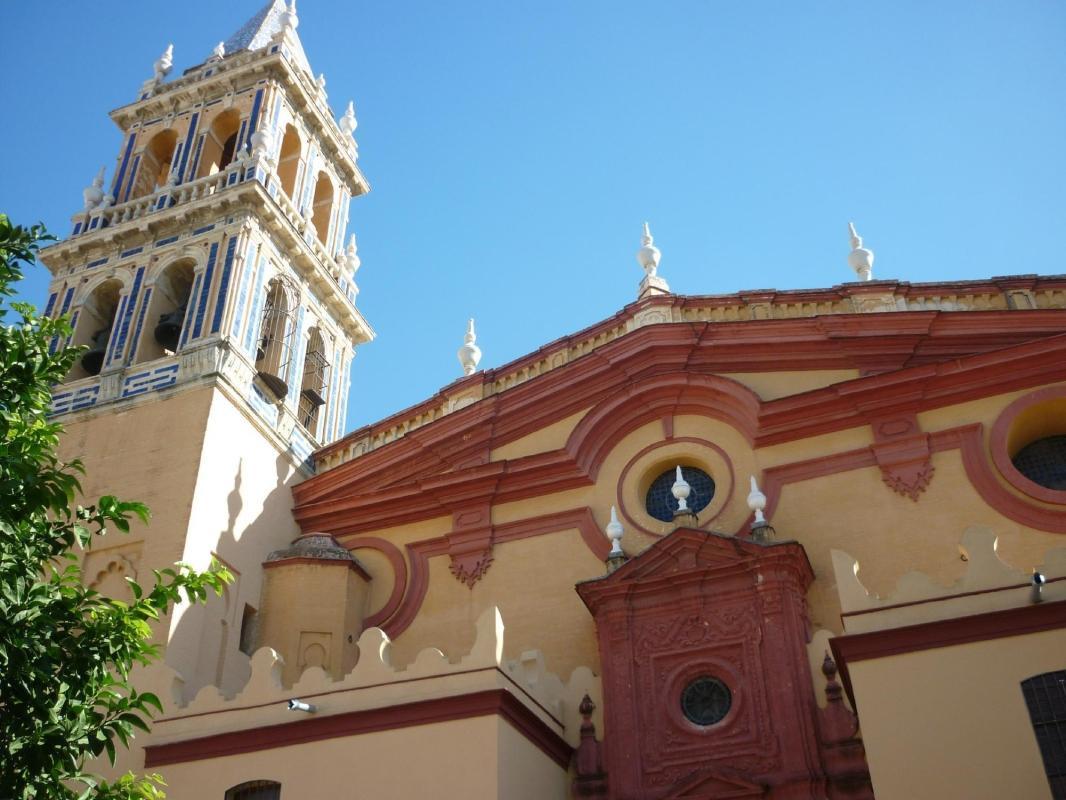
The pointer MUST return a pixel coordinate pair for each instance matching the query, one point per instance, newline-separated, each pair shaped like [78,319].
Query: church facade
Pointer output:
[772,544]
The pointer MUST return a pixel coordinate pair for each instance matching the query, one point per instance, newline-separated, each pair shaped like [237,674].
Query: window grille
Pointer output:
[255,790]
[1044,462]
[660,502]
[275,346]
[1045,695]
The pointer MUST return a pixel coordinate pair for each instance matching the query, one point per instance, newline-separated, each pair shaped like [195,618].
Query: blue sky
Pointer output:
[515,148]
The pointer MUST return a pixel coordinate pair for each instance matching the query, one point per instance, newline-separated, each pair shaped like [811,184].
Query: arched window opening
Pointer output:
[255,790]
[220,143]
[289,161]
[166,312]
[275,334]
[156,162]
[1045,697]
[323,206]
[96,318]
[315,381]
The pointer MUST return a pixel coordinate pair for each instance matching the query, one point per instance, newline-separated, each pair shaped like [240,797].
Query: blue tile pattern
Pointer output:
[150,380]
[223,286]
[122,170]
[201,306]
[185,326]
[127,318]
[85,397]
[140,323]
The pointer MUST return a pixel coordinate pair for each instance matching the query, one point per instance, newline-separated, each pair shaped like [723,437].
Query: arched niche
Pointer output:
[156,161]
[313,395]
[289,160]
[220,143]
[96,320]
[274,348]
[322,206]
[165,318]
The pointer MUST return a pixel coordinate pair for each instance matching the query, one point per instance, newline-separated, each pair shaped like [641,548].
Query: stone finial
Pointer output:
[757,502]
[320,82]
[164,64]
[860,259]
[681,490]
[469,354]
[289,20]
[648,255]
[348,123]
[262,141]
[219,52]
[614,532]
[94,193]
[351,256]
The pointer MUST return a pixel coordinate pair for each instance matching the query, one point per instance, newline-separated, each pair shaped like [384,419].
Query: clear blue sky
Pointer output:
[515,149]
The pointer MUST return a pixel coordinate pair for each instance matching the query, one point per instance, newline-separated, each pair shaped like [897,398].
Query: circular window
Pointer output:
[706,701]
[1044,462]
[660,500]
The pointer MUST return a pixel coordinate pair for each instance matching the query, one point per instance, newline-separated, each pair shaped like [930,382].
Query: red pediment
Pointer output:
[712,785]
[691,554]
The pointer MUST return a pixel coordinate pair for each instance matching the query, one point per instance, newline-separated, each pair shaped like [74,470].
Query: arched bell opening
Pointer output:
[314,382]
[220,143]
[156,162]
[167,309]
[96,319]
[323,206]
[289,160]
[274,350]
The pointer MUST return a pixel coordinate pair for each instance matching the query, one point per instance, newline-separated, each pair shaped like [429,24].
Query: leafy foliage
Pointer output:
[66,651]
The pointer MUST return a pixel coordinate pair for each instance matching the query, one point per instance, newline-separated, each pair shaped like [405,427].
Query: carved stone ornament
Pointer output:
[903,454]
[470,544]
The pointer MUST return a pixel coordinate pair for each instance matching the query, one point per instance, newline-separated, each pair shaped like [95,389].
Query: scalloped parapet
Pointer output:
[988,584]
[375,682]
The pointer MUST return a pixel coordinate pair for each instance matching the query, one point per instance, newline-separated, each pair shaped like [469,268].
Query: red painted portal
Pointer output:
[698,606]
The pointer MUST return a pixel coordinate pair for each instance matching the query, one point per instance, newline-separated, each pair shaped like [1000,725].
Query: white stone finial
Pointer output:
[648,255]
[94,193]
[348,123]
[351,256]
[681,490]
[289,20]
[860,259]
[219,52]
[614,532]
[164,64]
[469,354]
[320,82]
[757,502]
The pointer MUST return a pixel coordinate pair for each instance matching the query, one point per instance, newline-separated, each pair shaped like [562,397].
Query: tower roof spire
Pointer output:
[261,29]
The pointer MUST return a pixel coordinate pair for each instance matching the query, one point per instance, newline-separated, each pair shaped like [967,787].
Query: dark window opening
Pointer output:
[706,701]
[660,501]
[227,152]
[1045,696]
[249,623]
[255,790]
[1044,462]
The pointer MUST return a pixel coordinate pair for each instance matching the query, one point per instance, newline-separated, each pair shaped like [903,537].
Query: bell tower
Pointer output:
[211,281]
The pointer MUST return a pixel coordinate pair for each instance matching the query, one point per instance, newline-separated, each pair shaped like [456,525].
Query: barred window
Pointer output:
[255,790]
[1045,695]
[1044,462]
[660,501]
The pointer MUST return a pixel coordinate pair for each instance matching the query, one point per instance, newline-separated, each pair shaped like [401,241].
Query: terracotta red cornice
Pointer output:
[855,647]
[399,483]
[354,723]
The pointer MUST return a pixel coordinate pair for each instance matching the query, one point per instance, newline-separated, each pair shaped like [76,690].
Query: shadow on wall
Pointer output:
[211,643]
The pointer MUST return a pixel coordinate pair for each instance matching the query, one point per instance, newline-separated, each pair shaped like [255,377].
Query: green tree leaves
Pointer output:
[65,650]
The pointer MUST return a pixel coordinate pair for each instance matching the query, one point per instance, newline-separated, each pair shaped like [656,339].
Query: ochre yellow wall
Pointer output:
[952,722]
[482,758]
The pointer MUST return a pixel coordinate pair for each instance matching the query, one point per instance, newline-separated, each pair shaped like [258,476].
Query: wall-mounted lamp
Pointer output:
[300,705]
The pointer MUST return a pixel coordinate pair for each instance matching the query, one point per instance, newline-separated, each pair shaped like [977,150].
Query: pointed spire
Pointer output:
[681,490]
[469,354]
[164,64]
[348,123]
[648,257]
[860,259]
[94,193]
[614,532]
